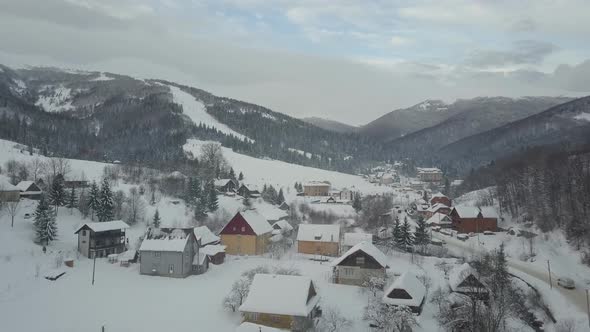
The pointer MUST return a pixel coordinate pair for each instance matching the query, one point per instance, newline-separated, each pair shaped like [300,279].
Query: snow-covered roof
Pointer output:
[258,223]
[366,247]
[251,327]
[104,226]
[24,185]
[204,235]
[351,239]
[221,182]
[175,242]
[250,187]
[283,225]
[437,206]
[466,211]
[212,249]
[459,274]
[489,212]
[428,170]
[316,184]
[439,218]
[411,285]
[318,233]
[177,175]
[5,185]
[127,255]
[438,195]
[280,295]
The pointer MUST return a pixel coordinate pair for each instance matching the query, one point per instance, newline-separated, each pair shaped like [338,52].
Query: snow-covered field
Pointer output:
[123,300]
[282,174]
[195,110]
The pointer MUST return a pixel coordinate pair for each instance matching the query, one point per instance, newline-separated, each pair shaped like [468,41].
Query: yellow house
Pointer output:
[247,233]
[318,239]
[281,301]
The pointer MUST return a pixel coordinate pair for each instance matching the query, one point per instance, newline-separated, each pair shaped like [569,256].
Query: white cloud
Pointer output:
[398,41]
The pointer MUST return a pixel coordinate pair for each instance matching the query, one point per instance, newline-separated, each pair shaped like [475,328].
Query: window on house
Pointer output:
[171,268]
[83,233]
[243,229]
[157,253]
[360,260]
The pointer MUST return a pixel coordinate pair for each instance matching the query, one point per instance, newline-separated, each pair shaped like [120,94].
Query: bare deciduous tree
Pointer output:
[12,208]
[333,320]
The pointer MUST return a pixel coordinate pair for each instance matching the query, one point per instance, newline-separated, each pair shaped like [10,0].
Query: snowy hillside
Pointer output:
[195,110]
[282,174]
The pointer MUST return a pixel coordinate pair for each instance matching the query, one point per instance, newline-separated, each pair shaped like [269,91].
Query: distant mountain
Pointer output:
[98,116]
[472,116]
[331,125]
[566,124]
[405,121]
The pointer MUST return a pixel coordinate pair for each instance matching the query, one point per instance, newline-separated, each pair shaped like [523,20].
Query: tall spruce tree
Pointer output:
[232,174]
[212,202]
[406,236]
[356,203]
[94,200]
[421,237]
[106,207]
[72,200]
[45,226]
[157,221]
[196,192]
[57,195]
[241,177]
[281,198]
[396,236]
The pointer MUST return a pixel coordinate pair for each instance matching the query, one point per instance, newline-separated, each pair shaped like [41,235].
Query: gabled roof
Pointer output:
[318,233]
[258,223]
[5,185]
[409,283]
[437,206]
[438,195]
[351,239]
[283,225]
[221,182]
[104,226]
[24,186]
[204,235]
[366,247]
[460,274]
[281,295]
[489,212]
[466,211]
[316,184]
[250,187]
[175,242]
[212,249]
[439,218]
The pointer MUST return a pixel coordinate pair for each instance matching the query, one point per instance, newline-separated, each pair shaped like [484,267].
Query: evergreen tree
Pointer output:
[241,177]
[188,197]
[153,198]
[196,192]
[356,203]
[72,200]
[212,202]
[397,230]
[200,210]
[406,237]
[57,195]
[93,200]
[296,187]
[425,196]
[157,219]
[421,237]
[45,226]
[281,198]
[106,207]
[232,174]
[447,188]
[246,202]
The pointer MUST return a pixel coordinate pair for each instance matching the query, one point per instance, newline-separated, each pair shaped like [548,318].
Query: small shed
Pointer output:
[407,291]
[215,252]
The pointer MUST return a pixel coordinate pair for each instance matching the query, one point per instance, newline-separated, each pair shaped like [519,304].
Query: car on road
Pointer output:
[27,216]
[488,233]
[435,228]
[566,282]
[471,234]
[437,242]
[462,237]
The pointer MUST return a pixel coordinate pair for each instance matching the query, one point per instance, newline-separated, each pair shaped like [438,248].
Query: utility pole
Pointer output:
[549,269]
[94,269]
[588,306]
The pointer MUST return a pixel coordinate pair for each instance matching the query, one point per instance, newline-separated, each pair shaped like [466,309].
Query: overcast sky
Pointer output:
[348,60]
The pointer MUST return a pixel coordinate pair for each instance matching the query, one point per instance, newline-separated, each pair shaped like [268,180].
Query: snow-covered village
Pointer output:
[308,166]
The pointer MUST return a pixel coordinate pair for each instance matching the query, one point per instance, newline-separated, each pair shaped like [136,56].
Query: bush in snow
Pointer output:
[333,320]
[388,317]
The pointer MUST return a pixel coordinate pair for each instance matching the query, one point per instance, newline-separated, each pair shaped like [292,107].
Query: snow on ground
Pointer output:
[282,174]
[91,170]
[583,116]
[123,300]
[102,77]
[301,152]
[195,110]
[55,99]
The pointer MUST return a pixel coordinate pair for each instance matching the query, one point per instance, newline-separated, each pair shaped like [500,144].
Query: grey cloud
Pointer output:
[522,52]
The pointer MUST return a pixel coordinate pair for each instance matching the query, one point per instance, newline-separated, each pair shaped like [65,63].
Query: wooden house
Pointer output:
[360,263]
[248,190]
[29,189]
[467,219]
[316,188]
[466,280]
[281,301]
[441,220]
[8,192]
[437,208]
[215,253]
[440,198]
[318,239]
[170,253]
[100,239]
[247,233]
[407,291]
[226,185]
